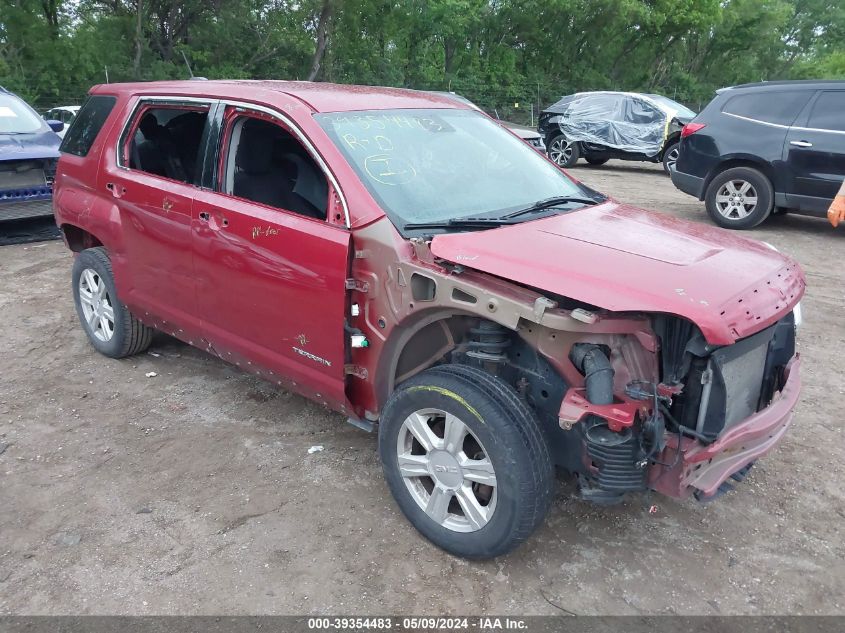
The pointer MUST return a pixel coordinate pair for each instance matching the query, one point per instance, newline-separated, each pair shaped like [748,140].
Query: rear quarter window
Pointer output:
[87,124]
[829,112]
[768,106]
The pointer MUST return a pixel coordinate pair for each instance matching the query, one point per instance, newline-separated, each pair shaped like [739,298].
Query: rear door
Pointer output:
[270,267]
[152,177]
[814,152]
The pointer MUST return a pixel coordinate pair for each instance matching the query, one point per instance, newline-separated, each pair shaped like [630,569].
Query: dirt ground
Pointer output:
[193,492]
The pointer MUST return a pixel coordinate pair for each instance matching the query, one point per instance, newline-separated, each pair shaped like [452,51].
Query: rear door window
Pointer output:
[165,140]
[87,125]
[779,107]
[829,111]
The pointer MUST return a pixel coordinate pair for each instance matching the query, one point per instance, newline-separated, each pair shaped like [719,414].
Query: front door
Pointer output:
[151,180]
[815,153]
[270,269]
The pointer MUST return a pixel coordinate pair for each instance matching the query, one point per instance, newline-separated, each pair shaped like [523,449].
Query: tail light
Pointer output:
[691,128]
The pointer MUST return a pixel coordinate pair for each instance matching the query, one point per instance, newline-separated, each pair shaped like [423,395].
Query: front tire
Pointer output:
[111,328]
[564,153]
[596,162]
[466,460]
[739,198]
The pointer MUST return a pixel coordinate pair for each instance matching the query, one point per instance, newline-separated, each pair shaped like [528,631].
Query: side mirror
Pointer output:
[56,126]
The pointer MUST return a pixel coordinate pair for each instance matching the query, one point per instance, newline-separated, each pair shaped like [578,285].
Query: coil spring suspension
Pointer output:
[490,340]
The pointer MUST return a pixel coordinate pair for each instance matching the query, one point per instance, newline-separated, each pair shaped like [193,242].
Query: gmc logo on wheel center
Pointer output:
[445,469]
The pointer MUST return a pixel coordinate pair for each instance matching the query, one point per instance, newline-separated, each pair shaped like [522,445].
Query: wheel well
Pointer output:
[475,341]
[672,139]
[79,239]
[430,340]
[764,168]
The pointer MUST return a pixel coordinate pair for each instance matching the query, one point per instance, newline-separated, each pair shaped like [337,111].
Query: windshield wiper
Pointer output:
[461,223]
[548,203]
[510,218]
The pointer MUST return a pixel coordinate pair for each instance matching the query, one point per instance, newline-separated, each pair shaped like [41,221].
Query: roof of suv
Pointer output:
[320,97]
[798,83]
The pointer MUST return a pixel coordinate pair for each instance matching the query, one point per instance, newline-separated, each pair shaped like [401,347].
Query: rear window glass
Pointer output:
[87,124]
[768,106]
[829,112]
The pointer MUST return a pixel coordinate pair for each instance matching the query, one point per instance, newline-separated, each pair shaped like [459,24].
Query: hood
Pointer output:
[42,144]
[626,259]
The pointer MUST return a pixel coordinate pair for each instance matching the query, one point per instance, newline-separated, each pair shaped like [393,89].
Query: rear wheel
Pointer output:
[596,161]
[111,328]
[563,152]
[670,157]
[739,198]
[466,460]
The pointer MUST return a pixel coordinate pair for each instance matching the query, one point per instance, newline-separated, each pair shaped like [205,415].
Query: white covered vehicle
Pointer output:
[598,126]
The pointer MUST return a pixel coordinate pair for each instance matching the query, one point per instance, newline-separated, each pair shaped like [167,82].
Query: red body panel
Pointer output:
[626,259]
[267,278]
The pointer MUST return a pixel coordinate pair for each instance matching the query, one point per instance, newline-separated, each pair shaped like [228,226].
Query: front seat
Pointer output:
[256,179]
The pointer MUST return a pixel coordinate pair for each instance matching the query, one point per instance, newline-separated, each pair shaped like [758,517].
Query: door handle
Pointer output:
[801,143]
[116,190]
[215,222]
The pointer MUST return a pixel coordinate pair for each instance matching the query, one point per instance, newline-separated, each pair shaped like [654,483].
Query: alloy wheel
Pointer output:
[447,471]
[560,151]
[736,199]
[97,308]
[672,158]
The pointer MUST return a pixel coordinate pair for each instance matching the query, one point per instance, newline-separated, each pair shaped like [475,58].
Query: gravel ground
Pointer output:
[193,492]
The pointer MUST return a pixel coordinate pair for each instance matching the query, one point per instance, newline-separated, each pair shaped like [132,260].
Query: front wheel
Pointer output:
[564,153]
[739,198]
[466,460]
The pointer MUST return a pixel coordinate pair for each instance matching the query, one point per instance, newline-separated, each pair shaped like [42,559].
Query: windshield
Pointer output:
[16,117]
[432,166]
[682,110]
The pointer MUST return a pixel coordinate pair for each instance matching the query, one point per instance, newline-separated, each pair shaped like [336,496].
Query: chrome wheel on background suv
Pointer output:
[739,198]
[563,152]
[736,199]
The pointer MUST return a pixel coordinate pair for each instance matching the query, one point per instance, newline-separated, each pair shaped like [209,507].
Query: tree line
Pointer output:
[508,55]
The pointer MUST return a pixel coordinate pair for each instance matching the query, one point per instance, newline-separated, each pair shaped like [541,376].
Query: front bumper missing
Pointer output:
[703,469]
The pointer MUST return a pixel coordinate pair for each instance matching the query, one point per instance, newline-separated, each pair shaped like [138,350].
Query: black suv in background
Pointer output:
[759,148]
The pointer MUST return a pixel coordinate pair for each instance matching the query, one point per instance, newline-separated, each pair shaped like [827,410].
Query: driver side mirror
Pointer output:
[56,126]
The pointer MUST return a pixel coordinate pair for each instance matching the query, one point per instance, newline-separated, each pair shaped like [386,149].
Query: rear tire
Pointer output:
[564,153]
[111,328]
[503,445]
[739,198]
[670,157]
[596,162]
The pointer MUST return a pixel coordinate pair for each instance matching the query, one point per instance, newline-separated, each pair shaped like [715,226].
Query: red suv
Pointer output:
[403,259]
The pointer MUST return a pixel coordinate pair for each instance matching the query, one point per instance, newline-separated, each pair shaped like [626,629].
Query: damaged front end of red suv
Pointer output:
[655,358]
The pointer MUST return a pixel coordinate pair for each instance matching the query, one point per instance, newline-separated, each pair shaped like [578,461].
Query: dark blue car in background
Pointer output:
[29,151]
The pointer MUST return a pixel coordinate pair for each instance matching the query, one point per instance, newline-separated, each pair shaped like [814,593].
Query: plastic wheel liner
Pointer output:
[624,121]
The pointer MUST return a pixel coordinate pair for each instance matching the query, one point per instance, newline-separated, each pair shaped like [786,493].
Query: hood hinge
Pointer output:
[356,370]
[354,284]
